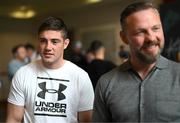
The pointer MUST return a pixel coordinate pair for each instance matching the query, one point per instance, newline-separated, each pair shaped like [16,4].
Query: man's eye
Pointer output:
[55,41]
[139,32]
[155,28]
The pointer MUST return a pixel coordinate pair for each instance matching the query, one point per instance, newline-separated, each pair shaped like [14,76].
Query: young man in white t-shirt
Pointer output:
[51,90]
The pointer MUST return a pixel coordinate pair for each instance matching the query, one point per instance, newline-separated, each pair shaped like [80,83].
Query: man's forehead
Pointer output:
[51,33]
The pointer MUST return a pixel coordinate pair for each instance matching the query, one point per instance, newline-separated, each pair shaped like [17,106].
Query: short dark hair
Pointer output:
[15,48]
[29,46]
[134,7]
[95,46]
[53,23]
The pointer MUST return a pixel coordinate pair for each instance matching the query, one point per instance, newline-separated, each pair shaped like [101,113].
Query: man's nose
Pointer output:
[48,46]
[150,36]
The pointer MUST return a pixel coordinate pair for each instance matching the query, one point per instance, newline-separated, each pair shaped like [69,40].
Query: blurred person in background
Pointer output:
[77,56]
[89,56]
[98,65]
[19,55]
[32,53]
[123,53]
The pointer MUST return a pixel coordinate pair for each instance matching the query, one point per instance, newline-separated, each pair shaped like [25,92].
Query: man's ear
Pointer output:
[66,43]
[123,37]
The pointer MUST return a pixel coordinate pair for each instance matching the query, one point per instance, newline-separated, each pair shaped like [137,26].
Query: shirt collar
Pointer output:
[161,63]
[125,66]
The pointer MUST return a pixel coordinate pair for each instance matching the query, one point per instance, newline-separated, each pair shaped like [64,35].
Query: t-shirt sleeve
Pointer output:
[16,94]
[86,93]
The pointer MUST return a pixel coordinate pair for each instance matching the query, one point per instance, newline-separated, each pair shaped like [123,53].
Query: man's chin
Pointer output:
[148,58]
[47,61]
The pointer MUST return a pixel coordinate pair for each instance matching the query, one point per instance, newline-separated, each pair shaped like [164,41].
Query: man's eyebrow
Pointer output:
[55,39]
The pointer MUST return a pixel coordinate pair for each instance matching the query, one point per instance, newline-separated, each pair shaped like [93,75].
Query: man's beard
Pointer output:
[149,58]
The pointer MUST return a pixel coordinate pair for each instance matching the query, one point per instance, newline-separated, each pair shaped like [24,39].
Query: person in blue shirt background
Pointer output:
[19,56]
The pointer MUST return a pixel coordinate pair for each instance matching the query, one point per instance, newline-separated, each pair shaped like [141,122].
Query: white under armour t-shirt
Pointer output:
[51,95]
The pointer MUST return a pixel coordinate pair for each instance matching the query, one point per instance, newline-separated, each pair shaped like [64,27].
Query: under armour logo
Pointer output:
[42,93]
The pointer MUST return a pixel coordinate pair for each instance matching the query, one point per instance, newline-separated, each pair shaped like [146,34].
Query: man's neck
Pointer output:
[142,69]
[18,59]
[99,56]
[54,66]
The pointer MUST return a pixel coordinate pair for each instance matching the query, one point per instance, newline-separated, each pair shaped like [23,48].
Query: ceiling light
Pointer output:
[93,1]
[23,13]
